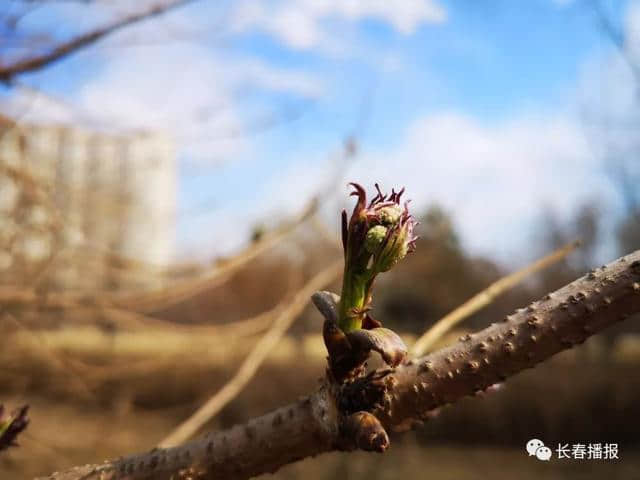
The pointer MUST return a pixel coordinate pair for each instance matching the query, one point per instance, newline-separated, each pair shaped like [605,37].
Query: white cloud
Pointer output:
[293,25]
[300,24]
[181,89]
[405,16]
[632,29]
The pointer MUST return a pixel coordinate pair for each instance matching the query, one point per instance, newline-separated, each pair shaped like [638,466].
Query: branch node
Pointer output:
[364,431]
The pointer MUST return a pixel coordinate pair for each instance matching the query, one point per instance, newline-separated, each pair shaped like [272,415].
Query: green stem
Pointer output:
[354,297]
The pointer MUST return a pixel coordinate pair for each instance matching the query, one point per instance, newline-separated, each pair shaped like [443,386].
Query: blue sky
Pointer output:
[476,105]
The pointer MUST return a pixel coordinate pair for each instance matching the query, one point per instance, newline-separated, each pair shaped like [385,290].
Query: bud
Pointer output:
[390,215]
[375,238]
[395,249]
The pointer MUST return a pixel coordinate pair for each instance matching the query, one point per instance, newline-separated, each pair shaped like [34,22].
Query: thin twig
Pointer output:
[163,298]
[173,294]
[253,361]
[37,62]
[237,328]
[323,232]
[485,297]
[310,426]
[57,360]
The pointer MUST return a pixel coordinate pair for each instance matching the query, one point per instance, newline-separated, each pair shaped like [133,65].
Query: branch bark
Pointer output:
[30,64]
[314,424]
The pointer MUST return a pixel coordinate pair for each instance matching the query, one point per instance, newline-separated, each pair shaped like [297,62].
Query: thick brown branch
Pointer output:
[312,425]
[7,72]
[557,322]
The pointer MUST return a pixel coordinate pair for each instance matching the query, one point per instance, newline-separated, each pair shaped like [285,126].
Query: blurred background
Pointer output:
[172,172]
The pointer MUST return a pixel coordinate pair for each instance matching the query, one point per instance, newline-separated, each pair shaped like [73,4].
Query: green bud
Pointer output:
[394,251]
[390,215]
[375,237]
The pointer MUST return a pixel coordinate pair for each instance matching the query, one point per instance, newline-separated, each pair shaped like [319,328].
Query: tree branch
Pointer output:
[314,424]
[30,64]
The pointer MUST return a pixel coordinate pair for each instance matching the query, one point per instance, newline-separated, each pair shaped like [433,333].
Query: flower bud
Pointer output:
[394,251]
[375,237]
[390,215]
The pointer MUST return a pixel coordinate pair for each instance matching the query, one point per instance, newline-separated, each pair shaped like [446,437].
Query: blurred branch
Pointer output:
[156,300]
[126,336]
[40,191]
[37,62]
[485,297]
[253,361]
[323,232]
[58,361]
[311,426]
[165,297]
[237,328]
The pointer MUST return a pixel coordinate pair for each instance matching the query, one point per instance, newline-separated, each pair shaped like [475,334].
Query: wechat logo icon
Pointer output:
[537,448]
